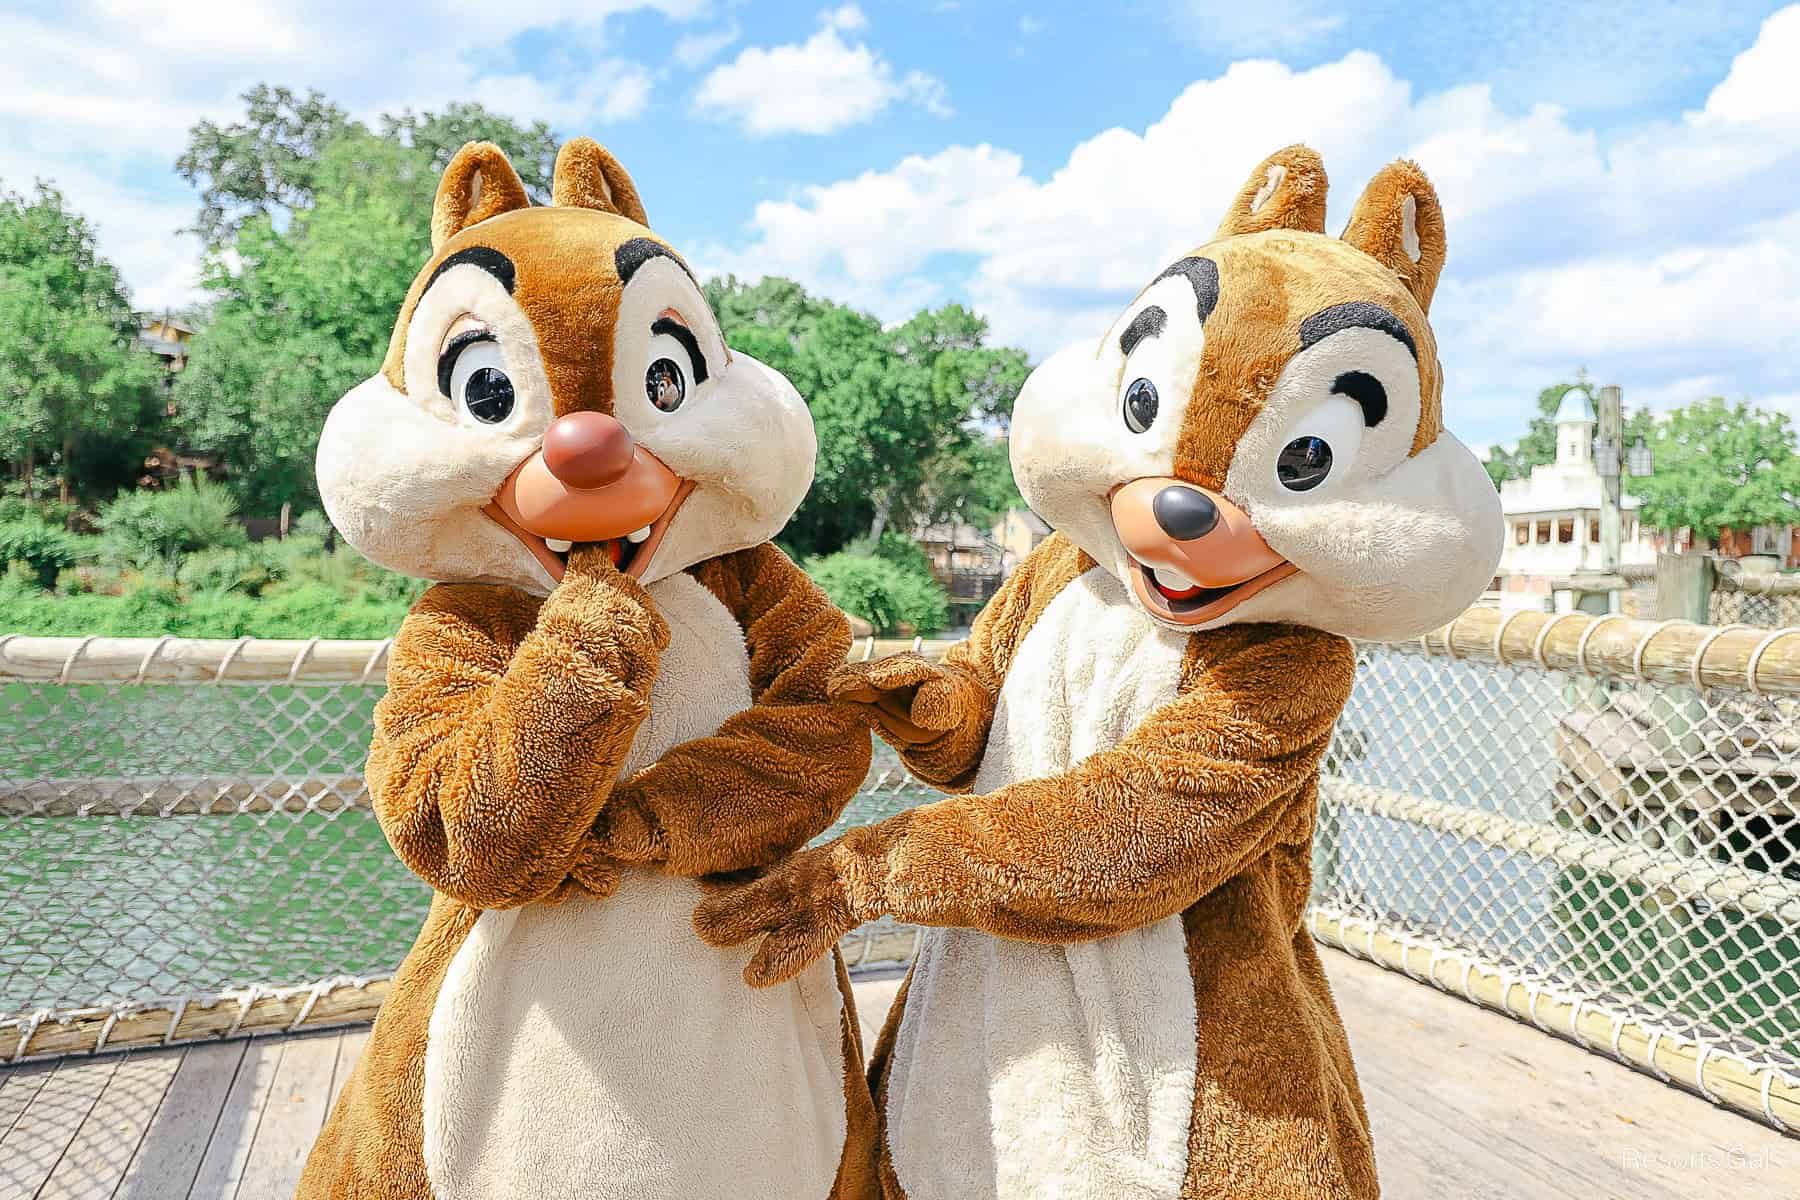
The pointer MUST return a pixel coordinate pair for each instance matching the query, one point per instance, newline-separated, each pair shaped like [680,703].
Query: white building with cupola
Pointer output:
[1553,516]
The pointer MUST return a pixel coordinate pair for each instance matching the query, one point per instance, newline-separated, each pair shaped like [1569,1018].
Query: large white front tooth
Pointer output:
[1175,581]
[639,536]
[558,545]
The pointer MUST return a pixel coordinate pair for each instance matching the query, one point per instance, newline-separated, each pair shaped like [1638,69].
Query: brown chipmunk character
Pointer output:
[1120,999]
[622,690]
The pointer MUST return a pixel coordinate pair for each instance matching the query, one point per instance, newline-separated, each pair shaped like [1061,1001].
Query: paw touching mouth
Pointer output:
[1194,555]
[630,553]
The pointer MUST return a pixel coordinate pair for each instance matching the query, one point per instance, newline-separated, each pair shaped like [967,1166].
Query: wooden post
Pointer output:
[1684,586]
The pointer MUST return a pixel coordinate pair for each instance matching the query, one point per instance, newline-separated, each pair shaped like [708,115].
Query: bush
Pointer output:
[218,569]
[45,549]
[889,597]
[149,528]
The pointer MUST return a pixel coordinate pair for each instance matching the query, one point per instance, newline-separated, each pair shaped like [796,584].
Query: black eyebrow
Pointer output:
[639,250]
[689,342]
[1149,323]
[1203,275]
[1357,314]
[447,356]
[489,260]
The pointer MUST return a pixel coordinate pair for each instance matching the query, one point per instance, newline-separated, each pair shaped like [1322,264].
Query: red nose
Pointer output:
[587,450]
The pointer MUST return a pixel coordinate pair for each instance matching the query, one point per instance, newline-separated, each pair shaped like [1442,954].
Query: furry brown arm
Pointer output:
[773,776]
[1205,785]
[504,726]
[938,714]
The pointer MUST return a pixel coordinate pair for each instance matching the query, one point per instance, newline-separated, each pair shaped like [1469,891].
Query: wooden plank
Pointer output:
[1545,1107]
[169,1156]
[17,1087]
[350,1047]
[104,1146]
[223,1165]
[36,1142]
[291,1117]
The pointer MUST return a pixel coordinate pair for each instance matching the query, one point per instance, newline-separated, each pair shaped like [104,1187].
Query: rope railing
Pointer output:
[1591,823]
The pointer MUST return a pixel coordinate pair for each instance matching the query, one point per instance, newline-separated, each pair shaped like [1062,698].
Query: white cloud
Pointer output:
[696,49]
[99,97]
[1239,28]
[817,86]
[1653,256]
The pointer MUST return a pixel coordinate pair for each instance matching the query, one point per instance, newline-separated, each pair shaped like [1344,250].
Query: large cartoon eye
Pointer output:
[1327,438]
[1303,464]
[472,374]
[665,385]
[1140,405]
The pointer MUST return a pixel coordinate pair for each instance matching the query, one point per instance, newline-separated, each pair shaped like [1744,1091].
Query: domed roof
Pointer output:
[1575,407]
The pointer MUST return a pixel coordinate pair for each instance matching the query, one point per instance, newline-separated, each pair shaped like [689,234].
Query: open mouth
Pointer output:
[1168,594]
[630,553]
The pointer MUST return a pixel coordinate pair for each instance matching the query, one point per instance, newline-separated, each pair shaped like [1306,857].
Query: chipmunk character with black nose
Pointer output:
[1119,999]
[620,689]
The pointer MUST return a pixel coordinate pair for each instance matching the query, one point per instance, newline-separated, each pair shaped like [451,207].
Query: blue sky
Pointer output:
[1619,180]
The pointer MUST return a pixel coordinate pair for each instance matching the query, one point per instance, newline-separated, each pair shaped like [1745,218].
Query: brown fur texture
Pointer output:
[775,774]
[1377,225]
[492,772]
[1268,284]
[588,176]
[1205,810]
[937,715]
[1290,185]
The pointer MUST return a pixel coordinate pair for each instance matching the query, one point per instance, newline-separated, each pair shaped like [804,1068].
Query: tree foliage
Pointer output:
[1721,465]
[906,416]
[76,392]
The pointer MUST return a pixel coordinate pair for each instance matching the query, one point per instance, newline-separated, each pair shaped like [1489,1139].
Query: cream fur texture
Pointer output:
[1389,546]
[404,474]
[1067,1070]
[571,1044]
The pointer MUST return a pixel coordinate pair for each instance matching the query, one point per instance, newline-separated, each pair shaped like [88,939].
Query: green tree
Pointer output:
[1538,446]
[265,165]
[302,316]
[532,148]
[76,392]
[905,416]
[1720,466]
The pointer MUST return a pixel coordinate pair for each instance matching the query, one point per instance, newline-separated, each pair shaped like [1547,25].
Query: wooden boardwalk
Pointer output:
[1467,1105]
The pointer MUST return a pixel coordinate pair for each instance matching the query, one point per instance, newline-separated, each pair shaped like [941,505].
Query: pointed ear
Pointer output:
[587,176]
[479,183]
[1286,191]
[1397,221]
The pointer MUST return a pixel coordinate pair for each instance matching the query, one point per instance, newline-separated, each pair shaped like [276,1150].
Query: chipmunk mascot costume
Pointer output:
[619,688]
[1120,1000]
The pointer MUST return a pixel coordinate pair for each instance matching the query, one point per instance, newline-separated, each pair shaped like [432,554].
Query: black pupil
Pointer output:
[489,395]
[1303,464]
[664,384]
[1140,405]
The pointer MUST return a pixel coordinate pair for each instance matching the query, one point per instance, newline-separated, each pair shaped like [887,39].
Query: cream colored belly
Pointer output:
[598,1049]
[1025,1070]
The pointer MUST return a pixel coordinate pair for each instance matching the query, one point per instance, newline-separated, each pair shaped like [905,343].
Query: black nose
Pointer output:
[1184,512]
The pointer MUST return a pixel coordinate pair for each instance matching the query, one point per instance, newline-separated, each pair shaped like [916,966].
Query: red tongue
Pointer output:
[616,549]
[1183,594]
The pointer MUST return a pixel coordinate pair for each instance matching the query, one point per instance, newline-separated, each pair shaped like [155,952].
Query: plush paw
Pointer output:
[625,831]
[593,874]
[910,699]
[799,908]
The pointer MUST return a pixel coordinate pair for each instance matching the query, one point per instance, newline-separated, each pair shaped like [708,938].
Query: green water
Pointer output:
[97,909]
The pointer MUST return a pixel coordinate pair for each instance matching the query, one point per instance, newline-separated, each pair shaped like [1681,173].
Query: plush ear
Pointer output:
[1286,191]
[479,183]
[587,176]
[1397,221]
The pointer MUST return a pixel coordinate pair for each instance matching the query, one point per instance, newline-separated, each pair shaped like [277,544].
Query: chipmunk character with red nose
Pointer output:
[1120,1000]
[621,689]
